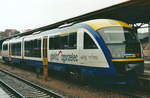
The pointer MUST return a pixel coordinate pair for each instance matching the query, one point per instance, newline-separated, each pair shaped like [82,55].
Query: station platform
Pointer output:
[3,94]
[147,66]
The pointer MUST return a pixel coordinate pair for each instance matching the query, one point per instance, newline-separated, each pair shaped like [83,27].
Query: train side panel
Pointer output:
[86,59]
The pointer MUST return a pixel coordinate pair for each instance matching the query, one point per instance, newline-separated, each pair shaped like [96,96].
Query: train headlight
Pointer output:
[129,67]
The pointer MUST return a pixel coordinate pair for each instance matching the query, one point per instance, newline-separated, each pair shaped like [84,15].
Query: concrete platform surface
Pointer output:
[3,94]
[147,65]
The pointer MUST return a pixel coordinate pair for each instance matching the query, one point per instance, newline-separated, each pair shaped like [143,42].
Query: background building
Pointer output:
[8,33]
[5,34]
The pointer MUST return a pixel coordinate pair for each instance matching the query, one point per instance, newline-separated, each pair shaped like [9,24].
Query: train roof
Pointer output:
[12,40]
[36,35]
[102,23]
[94,24]
[6,41]
[15,40]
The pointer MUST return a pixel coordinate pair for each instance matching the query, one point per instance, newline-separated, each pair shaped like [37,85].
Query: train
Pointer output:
[93,49]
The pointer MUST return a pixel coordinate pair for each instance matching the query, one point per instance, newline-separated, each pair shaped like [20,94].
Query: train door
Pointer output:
[45,57]
[22,49]
[9,51]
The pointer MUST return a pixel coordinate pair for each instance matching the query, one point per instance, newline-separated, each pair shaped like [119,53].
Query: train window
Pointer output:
[57,42]
[88,42]
[51,46]
[54,42]
[64,42]
[16,49]
[5,47]
[68,41]
[72,40]
[33,48]
[27,48]
[36,51]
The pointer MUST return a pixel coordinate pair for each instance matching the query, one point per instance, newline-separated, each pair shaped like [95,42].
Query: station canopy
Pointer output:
[132,12]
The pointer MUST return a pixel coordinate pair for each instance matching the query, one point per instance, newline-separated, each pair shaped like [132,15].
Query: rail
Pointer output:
[11,90]
[26,88]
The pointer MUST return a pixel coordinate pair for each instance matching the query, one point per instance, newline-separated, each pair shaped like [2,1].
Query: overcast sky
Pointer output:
[31,14]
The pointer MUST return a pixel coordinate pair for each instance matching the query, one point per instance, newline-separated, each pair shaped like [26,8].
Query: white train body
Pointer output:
[79,48]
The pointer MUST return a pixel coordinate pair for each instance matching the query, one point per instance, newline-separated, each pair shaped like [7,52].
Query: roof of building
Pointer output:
[133,11]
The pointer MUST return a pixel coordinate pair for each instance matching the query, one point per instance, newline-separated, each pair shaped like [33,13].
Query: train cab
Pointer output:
[122,44]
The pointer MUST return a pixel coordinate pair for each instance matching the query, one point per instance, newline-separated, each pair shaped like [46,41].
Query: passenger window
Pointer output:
[16,49]
[5,47]
[57,42]
[51,46]
[72,40]
[88,42]
[64,42]
[36,51]
[27,48]
[68,41]
[54,42]
[33,48]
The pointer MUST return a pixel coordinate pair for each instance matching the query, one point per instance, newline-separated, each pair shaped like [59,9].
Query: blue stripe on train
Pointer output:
[34,63]
[16,60]
[91,73]
[85,70]
[111,69]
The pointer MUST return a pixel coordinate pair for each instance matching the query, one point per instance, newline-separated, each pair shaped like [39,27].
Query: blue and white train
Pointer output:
[92,49]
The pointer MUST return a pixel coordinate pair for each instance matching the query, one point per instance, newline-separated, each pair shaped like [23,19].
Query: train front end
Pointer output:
[125,49]
[121,47]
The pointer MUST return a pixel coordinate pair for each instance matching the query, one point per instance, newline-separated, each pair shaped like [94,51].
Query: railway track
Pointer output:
[132,94]
[10,91]
[25,89]
[129,93]
[141,90]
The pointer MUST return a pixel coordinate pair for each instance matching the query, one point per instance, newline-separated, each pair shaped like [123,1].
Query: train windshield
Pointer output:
[120,41]
[117,35]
